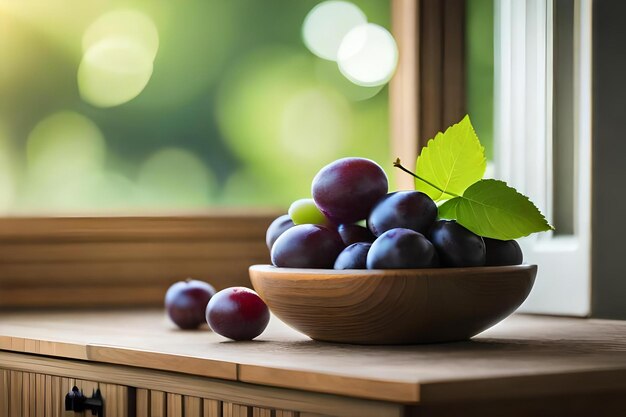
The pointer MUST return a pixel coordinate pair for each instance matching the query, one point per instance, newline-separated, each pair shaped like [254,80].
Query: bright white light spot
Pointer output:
[368,55]
[113,72]
[327,24]
[175,178]
[315,125]
[327,72]
[131,25]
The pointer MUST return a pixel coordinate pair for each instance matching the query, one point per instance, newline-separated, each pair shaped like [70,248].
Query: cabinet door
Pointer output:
[23,394]
[27,394]
[152,403]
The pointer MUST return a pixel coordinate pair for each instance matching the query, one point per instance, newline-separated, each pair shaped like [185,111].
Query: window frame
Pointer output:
[524,154]
[129,261]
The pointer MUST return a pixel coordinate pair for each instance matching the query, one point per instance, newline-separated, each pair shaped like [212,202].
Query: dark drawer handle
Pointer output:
[76,401]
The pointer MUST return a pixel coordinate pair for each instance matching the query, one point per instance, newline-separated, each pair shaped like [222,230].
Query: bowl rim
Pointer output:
[338,273]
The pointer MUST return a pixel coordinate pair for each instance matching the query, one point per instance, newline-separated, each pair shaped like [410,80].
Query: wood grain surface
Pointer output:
[390,307]
[520,357]
[84,262]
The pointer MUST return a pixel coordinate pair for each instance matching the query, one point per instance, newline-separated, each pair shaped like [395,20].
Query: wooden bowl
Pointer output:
[388,307]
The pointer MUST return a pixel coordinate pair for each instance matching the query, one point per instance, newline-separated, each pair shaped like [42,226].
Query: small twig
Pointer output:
[398,164]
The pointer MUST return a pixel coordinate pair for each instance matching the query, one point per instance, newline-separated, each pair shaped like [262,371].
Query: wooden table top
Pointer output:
[523,355]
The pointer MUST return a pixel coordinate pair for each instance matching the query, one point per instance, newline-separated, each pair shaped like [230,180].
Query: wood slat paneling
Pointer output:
[286,413]
[234,224]
[120,274]
[236,410]
[49,396]
[124,261]
[192,406]
[143,402]
[211,408]
[30,394]
[4,393]
[36,252]
[15,400]
[261,412]
[58,396]
[40,395]
[174,405]
[212,390]
[158,404]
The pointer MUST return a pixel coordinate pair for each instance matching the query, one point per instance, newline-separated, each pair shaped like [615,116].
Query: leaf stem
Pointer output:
[398,164]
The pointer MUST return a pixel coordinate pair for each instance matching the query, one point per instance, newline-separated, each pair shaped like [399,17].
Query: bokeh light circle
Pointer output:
[175,178]
[274,90]
[62,152]
[368,55]
[65,144]
[315,125]
[326,25]
[126,24]
[198,40]
[113,72]
[327,73]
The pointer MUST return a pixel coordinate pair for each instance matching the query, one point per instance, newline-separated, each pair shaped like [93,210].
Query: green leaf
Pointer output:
[452,161]
[490,208]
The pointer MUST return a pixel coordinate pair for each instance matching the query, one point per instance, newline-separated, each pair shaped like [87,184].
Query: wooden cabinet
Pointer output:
[153,403]
[27,393]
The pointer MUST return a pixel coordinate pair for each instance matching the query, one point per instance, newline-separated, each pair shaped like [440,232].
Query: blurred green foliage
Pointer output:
[480,69]
[236,110]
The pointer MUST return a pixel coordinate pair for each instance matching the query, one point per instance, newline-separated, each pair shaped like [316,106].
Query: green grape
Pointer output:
[304,211]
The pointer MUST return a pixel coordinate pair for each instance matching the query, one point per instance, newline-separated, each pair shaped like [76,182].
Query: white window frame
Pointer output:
[523,145]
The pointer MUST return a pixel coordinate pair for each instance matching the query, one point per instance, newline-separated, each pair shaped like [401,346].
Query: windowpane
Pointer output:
[140,105]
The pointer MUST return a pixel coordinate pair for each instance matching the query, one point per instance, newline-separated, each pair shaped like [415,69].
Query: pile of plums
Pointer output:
[352,222]
[236,312]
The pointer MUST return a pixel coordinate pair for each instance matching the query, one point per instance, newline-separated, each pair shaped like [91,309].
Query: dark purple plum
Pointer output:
[353,257]
[401,249]
[502,252]
[353,233]
[186,301]
[277,228]
[405,209]
[237,313]
[346,190]
[307,246]
[457,246]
